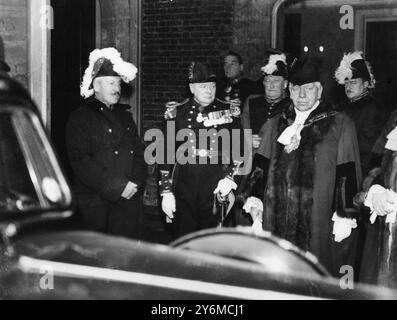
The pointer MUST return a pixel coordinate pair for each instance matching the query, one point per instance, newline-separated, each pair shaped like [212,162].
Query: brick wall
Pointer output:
[13,33]
[173,34]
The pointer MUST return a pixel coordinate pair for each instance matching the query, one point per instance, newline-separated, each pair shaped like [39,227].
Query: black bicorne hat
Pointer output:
[198,72]
[276,63]
[353,66]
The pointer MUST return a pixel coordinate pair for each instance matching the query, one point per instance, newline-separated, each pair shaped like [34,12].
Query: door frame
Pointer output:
[371,15]
[135,50]
[39,57]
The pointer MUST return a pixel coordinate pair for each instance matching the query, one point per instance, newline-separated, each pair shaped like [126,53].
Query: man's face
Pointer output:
[232,67]
[203,93]
[355,87]
[274,86]
[305,96]
[107,89]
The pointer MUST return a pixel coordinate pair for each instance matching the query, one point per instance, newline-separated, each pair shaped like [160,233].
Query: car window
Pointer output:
[16,187]
[30,178]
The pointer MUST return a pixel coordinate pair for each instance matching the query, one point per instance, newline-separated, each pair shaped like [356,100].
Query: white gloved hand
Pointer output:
[168,204]
[257,226]
[256,141]
[253,206]
[225,186]
[382,202]
[129,190]
[342,227]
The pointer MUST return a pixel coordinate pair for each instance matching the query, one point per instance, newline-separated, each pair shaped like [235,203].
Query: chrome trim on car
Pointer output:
[31,265]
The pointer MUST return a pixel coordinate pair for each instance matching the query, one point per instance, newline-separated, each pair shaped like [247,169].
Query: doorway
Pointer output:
[72,39]
[383,60]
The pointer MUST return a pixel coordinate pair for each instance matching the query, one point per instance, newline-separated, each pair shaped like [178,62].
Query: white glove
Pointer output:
[225,186]
[342,227]
[168,204]
[253,206]
[129,190]
[257,226]
[256,141]
[382,202]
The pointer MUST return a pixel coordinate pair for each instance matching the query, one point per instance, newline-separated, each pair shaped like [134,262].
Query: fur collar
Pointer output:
[289,193]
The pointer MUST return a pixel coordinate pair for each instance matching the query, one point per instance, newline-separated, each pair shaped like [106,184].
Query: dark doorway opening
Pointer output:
[72,39]
[384,60]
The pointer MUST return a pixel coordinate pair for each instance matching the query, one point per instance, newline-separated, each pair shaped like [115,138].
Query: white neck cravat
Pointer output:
[291,136]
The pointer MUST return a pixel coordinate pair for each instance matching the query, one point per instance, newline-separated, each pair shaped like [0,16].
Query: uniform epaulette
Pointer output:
[171,108]
[223,101]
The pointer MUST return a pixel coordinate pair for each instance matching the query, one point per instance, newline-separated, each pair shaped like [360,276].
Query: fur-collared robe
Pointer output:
[379,262]
[305,187]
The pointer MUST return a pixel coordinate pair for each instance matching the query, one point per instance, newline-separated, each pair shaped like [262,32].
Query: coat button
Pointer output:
[110,130]
[116,152]
[191,112]
[101,109]
[128,129]
[189,126]
[132,151]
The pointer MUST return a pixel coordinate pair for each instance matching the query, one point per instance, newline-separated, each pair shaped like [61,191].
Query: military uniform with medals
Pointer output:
[193,183]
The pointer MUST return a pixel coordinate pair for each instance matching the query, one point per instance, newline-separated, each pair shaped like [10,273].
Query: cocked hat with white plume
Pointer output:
[276,64]
[353,66]
[106,62]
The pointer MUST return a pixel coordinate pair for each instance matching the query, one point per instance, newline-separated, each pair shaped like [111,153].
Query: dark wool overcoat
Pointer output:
[105,153]
[369,119]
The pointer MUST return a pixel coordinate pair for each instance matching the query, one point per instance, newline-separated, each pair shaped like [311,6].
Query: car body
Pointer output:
[42,255]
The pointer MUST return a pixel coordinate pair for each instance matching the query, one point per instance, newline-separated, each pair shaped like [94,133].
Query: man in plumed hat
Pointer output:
[306,171]
[356,75]
[105,151]
[190,188]
[259,109]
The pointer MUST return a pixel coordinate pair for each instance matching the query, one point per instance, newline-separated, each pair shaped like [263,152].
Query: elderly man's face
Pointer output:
[305,96]
[203,93]
[274,86]
[107,89]
[355,87]
[232,67]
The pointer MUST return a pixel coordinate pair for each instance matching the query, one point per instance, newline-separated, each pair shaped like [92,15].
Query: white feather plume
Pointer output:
[344,71]
[271,66]
[126,70]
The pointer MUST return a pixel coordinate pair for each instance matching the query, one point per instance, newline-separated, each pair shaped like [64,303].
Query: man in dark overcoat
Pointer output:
[259,109]
[105,151]
[368,115]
